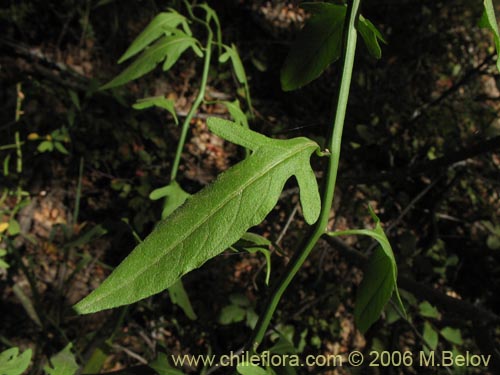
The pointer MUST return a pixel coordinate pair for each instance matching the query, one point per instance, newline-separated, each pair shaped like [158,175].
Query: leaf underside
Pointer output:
[213,219]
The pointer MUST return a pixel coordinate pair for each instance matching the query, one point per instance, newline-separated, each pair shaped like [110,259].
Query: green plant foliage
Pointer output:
[380,278]
[3,264]
[163,24]
[167,49]
[11,363]
[319,44]
[236,113]
[173,195]
[157,101]
[213,219]
[239,70]
[63,363]
[248,368]
[179,296]
[452,335]
[489,21]
[430,336]
[428,311]
[254,243]
[163,367]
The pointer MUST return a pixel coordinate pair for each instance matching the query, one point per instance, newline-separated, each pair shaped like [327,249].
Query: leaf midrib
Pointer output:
[212,213]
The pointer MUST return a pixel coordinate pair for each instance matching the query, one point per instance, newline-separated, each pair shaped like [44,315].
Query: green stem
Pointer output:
[196,104]
[348,52]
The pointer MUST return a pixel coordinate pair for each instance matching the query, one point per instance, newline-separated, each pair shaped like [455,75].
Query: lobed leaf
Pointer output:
[163,24]
[213,219]
[167,49]
[489,21]
[157,101]
[236,113]
[63,363]
[11,363]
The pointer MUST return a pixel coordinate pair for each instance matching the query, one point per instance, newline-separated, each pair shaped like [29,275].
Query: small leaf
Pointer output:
[60,147]
[317,45]
[63,363]
[45,146]
[163,24]
[428,311]
[213,219]
[452,335]
[14,227]
[157,101]
[179,296]
[248,368]
[489,21]
[430,336]
[163,367]
[371,37]
[13,364]
[239,70]
[232,314]
[174,196]
[167,48]
[236,113]
[380,278]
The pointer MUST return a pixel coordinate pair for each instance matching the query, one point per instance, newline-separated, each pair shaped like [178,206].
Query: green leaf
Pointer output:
[380,278]
[239,70]
[45,146]
[428,311]
[179,296]
[430,336]
[212,15]
[489,21]
[317,45]
[63,363]
[157,101]
[11,363]
[371,37]
[213,219]
[232,314]
[167,49]
[248,368]
[163,367]
[163,24]
[14,227]
[452,335]
[236,113]
[174,196]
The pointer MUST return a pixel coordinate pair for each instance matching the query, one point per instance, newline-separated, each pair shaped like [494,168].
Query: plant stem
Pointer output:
[195,106]
[348,52]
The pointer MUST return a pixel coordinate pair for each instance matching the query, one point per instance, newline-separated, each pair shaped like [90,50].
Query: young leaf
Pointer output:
[239,70]
[380,278]
[236,113]
[317,45]
[163,24]
[213,219]
[160,102]
[63,363]
[489,21]
[174,196]
[179,296]
[168,48]
[371,37]
[428,311]
[13,364]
